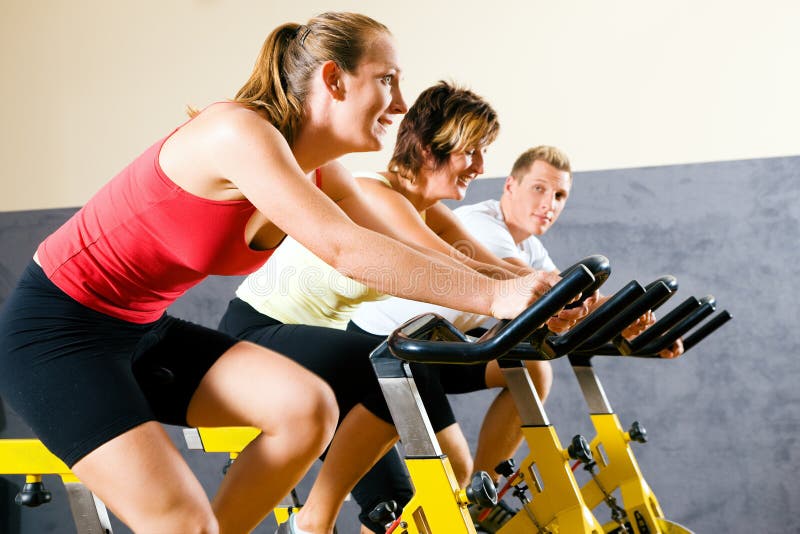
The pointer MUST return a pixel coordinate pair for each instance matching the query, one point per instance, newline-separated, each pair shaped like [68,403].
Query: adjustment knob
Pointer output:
[637,432]
[481,490]
[384,513]
[506,468]
[33,494]
[579,450]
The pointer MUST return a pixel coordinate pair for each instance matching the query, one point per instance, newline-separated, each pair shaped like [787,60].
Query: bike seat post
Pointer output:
[526,399]
[405,404]
[590,385]
[88,512]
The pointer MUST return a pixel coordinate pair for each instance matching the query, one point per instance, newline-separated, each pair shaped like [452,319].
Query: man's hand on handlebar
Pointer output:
[641,324]
[674,351]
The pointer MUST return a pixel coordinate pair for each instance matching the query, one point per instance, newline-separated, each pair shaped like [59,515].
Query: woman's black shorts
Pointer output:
[80,378]
[339,357]
[453,378]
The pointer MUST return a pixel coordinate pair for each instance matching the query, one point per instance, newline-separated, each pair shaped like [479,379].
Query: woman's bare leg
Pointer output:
[361,440]
[143,479]
[296,412]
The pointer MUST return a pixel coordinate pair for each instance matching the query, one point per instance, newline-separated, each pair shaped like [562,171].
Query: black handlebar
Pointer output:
[406,343]
[665,323]
[599,267]
[672,284]
[431,339]
[655,295]
[698,335]
[587,328]
[664,332]
[707,306]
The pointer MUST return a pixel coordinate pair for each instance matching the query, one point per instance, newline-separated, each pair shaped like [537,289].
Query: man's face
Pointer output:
[538,198]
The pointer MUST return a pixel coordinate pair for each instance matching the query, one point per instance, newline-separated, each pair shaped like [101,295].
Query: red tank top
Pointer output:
[142,241]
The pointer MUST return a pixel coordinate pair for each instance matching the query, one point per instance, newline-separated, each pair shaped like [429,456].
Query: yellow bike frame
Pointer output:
[439,506]
[556,503]
[616,466]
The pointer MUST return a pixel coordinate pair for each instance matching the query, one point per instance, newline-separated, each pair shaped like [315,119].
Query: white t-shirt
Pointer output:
[485,222]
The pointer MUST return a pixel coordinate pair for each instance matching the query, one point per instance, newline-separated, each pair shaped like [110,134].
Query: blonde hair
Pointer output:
[279,83]
[549,154]
[444,119]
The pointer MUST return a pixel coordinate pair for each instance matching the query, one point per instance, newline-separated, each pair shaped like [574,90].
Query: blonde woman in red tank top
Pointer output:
[215,197]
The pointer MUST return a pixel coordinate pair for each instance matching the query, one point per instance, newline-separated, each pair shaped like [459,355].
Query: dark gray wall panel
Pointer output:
[723,420]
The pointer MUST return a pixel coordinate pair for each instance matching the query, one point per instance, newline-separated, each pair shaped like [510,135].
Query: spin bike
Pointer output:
[439,506]
[557,504]
[612,465]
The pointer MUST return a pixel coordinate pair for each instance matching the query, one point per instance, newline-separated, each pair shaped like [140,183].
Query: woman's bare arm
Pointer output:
[256,159]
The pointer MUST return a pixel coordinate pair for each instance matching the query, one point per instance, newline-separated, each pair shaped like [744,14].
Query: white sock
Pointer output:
[295,529]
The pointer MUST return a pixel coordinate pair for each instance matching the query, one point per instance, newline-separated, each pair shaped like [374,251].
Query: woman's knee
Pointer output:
[308,422]
[317,409]
[194,519]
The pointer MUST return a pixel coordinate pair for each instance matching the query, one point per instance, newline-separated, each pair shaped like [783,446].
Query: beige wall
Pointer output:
[86,85]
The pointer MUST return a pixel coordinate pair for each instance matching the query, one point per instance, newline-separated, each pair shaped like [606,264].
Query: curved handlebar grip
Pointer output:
[672,318]
[672,284]
[599,267]
[658,292]
[678,322]
[539,346]
[698,335]
[402,342]
[707,305]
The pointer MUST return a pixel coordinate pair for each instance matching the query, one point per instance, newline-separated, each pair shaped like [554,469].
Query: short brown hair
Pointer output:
[444,119]
[549,154]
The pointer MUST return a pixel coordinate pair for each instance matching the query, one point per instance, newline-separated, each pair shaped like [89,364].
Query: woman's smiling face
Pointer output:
[371,96]
[453,178]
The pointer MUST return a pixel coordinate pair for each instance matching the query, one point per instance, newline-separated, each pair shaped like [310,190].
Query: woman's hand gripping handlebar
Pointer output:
[431,339]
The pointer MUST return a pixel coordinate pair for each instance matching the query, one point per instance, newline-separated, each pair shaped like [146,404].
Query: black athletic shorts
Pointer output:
[388,480]
[453,378]
[339,357]
[80,378]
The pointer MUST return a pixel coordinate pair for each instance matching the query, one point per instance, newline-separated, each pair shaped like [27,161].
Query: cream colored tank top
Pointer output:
[296,287]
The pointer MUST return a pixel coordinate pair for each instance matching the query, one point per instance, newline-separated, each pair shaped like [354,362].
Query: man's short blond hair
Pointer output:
[549,154]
